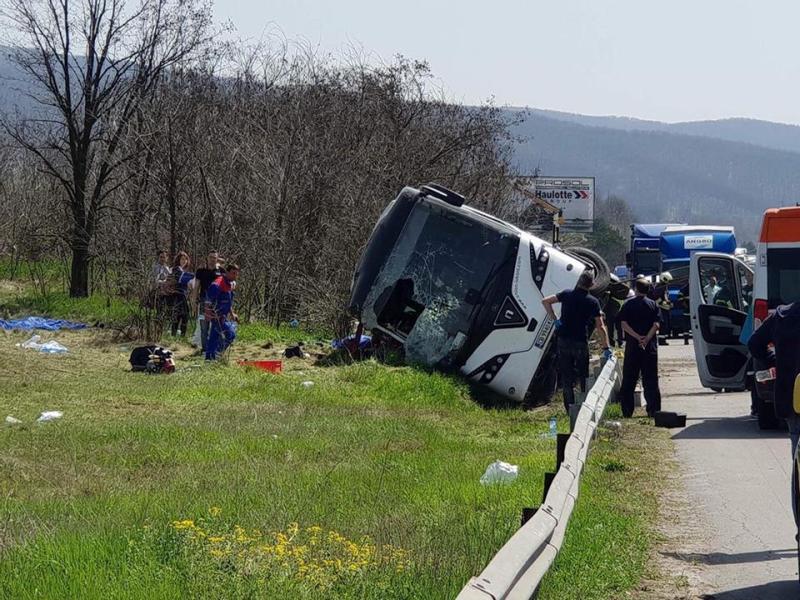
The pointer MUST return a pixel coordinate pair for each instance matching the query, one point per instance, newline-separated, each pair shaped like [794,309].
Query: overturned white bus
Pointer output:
[461,290]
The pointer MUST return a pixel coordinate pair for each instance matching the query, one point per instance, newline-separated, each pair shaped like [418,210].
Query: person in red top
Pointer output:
[219,312]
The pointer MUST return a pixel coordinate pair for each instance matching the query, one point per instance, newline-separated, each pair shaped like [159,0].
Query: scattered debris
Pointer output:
[12,420]
[365,343]
[271,366]
[294,323]
[51,347]
[296,352]
[500,472]
[308,384]
[49,415]
[668,419]
[152,359]
[29,323]
[612,425]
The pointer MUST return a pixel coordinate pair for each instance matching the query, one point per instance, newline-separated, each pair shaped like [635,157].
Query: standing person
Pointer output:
[179,299]
[205,276]
[219,312]
[161,269]
[162,285]
[580,314]
[782,329]
[640,319]
[711,289]
[659,293]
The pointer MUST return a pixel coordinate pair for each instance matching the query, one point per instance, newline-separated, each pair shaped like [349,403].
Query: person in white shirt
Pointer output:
[711,289]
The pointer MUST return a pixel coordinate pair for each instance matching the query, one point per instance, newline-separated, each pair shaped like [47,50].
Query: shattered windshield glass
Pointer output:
[437,274]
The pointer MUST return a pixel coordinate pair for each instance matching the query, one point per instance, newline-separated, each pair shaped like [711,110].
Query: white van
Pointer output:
[722,361]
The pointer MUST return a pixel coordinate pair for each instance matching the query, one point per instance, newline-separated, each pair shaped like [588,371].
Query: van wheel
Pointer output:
[602,274]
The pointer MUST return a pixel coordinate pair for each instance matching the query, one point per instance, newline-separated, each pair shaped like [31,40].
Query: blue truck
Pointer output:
[644,257]
[677,243]
[659,247]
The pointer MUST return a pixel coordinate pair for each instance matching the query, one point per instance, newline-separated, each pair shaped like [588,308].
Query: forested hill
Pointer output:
[705,172]
[669,176]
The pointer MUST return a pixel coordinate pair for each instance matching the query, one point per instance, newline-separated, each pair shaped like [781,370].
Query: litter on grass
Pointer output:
[12,420]
[308,384]
[500,472]
[51,347]
[295,352]
[364,342]
[30,323]
[49,415]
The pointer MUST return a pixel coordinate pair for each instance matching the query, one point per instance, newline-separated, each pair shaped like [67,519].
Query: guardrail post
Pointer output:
[574,410]
[548,480]
[561,445]
[527,514]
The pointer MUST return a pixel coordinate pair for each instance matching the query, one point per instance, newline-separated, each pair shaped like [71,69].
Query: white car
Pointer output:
[462,290]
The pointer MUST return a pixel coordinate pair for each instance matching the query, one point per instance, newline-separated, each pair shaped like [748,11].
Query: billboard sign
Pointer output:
[574,196]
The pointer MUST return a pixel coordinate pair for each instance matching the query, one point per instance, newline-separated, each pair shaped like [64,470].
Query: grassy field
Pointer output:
[223,482]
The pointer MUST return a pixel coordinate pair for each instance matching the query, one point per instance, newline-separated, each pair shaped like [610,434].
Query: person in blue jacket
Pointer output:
[219,312]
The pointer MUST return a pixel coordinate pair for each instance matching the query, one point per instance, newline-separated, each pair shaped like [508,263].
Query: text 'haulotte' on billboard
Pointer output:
[574,196]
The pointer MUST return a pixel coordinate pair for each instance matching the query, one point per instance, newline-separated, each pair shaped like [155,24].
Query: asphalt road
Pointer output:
[737,481]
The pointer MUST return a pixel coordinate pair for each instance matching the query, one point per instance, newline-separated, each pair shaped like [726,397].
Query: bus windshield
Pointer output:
[438,271]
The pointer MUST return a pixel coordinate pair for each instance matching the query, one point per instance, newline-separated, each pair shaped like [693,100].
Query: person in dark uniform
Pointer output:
[782,329]
[641,319]
[659,292]
[580,314]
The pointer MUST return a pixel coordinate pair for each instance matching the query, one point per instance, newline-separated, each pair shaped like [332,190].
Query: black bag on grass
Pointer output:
[152,359]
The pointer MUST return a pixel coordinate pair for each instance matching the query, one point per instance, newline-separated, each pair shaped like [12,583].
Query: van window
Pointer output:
[783,276]
[718,283]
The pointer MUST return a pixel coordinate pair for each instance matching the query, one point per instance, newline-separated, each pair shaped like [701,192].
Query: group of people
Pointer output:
[639,318]
[208,292]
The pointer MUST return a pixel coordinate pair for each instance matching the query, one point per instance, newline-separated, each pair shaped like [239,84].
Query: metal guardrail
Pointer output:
[514,573]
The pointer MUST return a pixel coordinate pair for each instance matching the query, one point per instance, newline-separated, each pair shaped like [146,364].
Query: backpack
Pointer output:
[152,359]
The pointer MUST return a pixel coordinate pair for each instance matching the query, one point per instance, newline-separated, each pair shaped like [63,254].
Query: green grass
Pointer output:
[19,299]
[377,454]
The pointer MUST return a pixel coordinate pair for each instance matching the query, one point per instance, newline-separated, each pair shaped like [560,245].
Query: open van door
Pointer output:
[720,288]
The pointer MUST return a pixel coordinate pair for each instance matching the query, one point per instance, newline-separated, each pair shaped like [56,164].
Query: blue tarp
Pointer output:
[29,323]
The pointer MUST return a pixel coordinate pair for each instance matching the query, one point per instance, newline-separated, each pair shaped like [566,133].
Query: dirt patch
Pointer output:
[672,573]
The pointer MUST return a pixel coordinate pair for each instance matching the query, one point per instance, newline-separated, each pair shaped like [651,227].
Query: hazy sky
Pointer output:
[671,61]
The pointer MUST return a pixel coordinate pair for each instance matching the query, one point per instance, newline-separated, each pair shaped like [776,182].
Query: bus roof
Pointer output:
[781,225]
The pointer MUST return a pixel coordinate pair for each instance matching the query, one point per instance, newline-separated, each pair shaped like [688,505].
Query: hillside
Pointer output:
[665,176]
[725,171]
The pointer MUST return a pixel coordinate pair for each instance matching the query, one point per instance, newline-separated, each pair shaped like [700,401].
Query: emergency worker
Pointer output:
[782,329]
[580,314]
[641,319]
[219,312]
[660,294]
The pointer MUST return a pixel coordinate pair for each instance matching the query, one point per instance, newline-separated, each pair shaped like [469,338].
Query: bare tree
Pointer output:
[94,63]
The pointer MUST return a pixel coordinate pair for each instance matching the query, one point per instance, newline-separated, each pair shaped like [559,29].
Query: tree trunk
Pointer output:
[79,273]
